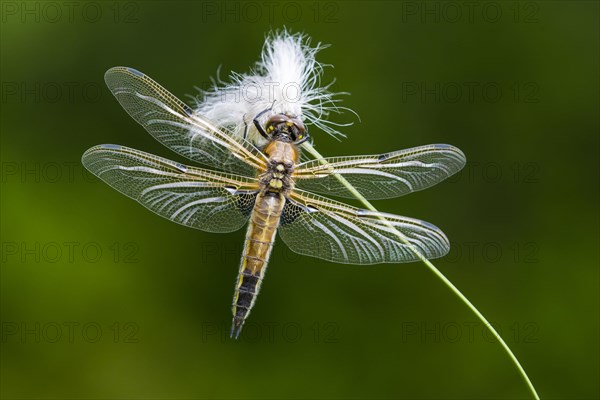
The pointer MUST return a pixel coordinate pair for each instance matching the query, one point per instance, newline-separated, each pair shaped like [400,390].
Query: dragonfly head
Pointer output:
[287,128]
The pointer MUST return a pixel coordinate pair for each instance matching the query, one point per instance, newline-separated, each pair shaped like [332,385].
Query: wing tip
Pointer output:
[442,243]
[121,69]
[109,75]
[96,148]
[112,71]
[442,239]
[458,152]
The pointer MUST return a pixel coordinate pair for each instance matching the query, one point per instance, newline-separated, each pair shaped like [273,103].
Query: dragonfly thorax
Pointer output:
[282,161]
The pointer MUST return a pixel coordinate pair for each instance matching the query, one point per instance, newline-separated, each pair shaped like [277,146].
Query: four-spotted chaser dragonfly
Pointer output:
[268,186]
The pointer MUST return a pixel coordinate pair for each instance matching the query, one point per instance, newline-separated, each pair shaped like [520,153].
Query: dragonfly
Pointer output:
[269,188]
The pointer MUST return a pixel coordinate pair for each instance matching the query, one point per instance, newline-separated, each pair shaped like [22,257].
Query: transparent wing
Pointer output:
[198,198]
[319,227]
[175,125]
[382,176]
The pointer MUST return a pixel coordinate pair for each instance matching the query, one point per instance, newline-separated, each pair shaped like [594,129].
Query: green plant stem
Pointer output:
[308,147]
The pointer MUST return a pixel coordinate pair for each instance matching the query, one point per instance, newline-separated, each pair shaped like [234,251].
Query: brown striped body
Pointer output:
[274,183]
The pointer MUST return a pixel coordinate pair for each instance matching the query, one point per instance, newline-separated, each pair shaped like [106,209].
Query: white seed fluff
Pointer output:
[287,77]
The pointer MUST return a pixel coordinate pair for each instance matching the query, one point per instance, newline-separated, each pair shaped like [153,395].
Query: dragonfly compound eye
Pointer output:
[274,121]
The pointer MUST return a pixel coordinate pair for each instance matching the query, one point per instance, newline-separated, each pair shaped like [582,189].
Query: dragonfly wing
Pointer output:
[194,197]
[319,227]
[381,176]
[174,124]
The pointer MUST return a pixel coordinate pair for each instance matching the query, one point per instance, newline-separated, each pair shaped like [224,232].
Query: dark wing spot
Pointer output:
[384,157]
[245,199]
[181,167]
[292,210]
[245,202]
[362,213]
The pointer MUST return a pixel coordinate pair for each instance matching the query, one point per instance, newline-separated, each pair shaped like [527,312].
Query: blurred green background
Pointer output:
[102,299]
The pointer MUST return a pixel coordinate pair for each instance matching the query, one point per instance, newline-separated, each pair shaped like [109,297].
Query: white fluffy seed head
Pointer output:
[287,78]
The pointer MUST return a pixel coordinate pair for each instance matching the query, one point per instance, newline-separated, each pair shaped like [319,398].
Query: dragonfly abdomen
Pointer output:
[257,249]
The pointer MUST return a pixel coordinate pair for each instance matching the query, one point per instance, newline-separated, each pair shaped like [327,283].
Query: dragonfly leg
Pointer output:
[258,125]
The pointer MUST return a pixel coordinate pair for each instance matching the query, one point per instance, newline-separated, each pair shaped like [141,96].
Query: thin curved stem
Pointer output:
[308,147]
